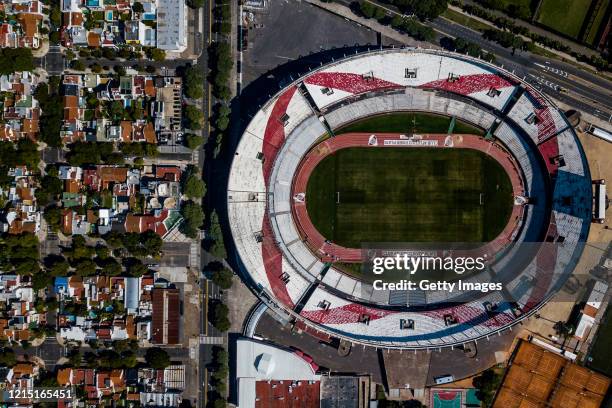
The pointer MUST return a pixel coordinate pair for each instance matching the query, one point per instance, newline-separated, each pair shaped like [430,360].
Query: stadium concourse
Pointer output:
[524,130]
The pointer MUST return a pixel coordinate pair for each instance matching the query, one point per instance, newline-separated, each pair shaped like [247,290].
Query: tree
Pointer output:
[222,117]
[55,16]
[487,383]
[96,68]
[109,53]
[111,267]
[137,269]
[59,267]
[7,357]
[129,359]
[194,117]
[217,248]
[194,187]
[196,3]
[113,239]
[50,100]
[194,82]
[151,242]
[222,278]
[53,216]
[41,280]
[75,358]
[137,7]
[77,65]
[220,358]
[367,9]
[219,403]
[54,37]
[157,358]
[120,70]
[219,316]
[85,267]
[156,54]
[194,218]
[193,141]
[50,188]
[121,346]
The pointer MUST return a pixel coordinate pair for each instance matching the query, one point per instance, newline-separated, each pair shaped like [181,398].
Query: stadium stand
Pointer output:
[400,69]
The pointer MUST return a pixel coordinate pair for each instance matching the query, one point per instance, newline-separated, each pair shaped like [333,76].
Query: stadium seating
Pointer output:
[290,264]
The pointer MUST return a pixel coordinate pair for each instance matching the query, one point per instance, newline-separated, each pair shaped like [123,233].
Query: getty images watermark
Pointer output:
[396,265]
[422,274]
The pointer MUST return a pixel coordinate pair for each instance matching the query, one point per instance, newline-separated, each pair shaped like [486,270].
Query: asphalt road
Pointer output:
[49,351]
[586,92]
[293,30]
[593,97]
[175,254]
[360,360]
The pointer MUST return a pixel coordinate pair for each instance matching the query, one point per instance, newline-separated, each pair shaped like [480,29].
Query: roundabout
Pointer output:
[522,187]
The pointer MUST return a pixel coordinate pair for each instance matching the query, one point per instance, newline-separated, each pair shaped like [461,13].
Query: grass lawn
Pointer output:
[408,195]
[466,21]
[598,19]
[402,122]
[601,352]
[564,16]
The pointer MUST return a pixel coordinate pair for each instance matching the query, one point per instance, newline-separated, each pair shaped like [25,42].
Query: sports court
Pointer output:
[539,377]
[446,398]
[453,398]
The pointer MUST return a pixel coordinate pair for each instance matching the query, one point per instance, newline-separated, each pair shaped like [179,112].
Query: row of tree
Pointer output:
[220,371]
[509,25]
[407,25]
[15,60]
[464,46]
[22,153]
[194,189]
[51,104]
[221,63]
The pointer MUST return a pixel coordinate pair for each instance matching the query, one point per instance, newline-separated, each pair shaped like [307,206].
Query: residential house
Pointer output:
[20,214]
[20,110]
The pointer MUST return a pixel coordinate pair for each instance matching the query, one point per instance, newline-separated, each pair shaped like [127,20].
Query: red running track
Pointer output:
[330,252]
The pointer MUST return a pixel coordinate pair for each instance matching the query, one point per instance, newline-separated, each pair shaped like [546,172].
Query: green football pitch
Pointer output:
[408,195]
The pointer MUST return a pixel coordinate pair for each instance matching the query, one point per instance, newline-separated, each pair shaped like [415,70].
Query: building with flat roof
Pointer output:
[270,376]
[171,23]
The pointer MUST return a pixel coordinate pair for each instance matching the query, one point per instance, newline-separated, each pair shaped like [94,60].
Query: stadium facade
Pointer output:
[291,270]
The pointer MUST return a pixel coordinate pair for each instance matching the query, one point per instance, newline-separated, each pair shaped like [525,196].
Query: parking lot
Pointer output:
[290,30]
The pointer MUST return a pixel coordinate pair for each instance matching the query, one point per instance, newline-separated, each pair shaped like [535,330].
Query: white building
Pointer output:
[171,24]
[271,369]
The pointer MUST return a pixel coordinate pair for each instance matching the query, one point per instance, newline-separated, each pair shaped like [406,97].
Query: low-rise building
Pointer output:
[20,110]
[21,213]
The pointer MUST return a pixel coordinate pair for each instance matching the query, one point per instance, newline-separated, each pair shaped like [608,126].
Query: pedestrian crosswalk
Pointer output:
[210,339]
[194,255]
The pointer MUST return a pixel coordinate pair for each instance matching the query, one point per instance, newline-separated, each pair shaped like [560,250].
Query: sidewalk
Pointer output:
[194,22]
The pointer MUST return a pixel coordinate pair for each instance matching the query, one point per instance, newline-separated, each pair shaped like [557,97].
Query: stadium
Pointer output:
[407,145]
